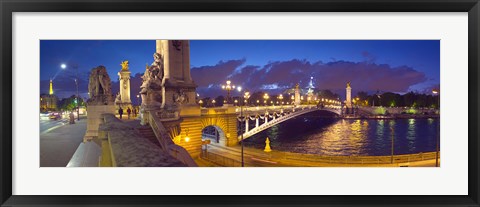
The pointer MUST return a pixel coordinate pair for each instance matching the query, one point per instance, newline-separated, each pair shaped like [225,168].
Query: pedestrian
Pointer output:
[134,112]
[129,111]
[120,112]
[72,118]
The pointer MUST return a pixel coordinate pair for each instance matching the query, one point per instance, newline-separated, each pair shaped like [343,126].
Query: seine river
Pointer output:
[314,133]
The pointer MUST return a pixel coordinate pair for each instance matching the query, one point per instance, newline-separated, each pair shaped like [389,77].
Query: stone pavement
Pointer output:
[57,146]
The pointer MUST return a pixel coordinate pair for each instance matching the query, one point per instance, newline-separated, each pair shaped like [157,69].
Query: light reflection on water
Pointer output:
[332,136]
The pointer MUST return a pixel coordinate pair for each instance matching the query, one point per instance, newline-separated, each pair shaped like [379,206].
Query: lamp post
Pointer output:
[228,88]
[64,67]
[437,148]
[138,99]
[280,97]
[245,96]
[393,137]
[265,96]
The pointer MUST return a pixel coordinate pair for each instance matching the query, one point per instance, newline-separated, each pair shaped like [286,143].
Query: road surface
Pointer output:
[58,141]
[50,124]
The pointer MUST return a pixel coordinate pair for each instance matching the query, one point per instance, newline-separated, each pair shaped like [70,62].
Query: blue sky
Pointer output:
[385,65]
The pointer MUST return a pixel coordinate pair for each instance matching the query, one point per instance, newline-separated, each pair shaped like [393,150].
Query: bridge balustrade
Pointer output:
[167,143]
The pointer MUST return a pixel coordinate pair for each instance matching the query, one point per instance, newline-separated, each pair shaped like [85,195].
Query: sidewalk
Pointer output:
[58,145]
[259,158]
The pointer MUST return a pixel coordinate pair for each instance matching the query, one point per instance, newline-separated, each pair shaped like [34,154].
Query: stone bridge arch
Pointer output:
[227,123]
[193,126]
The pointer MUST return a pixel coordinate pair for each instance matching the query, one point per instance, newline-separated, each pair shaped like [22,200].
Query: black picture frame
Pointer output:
[9,6]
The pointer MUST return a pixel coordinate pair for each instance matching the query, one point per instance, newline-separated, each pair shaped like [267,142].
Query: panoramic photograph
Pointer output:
[239,103]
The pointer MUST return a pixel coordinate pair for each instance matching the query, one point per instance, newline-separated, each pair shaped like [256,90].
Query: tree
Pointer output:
[70,103]
[219,100]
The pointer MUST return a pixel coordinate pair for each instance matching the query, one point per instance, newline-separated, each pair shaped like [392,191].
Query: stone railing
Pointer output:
[167,143]
[376,110]
[123,146]
[359,159]
[167,115]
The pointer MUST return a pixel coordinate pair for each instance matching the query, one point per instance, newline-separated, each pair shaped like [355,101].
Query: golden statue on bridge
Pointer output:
[124,65]
[267,146]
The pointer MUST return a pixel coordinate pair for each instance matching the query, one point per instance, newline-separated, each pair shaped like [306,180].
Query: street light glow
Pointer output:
[63,66]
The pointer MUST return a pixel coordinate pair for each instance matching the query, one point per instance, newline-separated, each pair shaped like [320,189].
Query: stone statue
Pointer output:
[118,99]
[124,65]
[297,86]
[348,84]
[151,87]
[156,69]
[99,86]
[180,97]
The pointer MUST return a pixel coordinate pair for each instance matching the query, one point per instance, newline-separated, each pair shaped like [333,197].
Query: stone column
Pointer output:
[297,94]
[256,122]
[349,96]
[124,76]
[246,124]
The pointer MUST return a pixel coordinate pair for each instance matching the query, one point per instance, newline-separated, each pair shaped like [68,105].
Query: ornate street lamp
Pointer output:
[266,97]
[436,92]
[64,67]
[246,96]
[243,119]
[228,88]
[280,97]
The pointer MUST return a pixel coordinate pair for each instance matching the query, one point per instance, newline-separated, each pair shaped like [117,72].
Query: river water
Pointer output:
[315,133]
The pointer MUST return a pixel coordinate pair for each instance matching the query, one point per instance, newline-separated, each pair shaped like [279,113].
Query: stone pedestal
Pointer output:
[94,119]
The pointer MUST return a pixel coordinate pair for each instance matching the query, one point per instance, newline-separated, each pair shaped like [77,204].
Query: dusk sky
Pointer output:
[394,66]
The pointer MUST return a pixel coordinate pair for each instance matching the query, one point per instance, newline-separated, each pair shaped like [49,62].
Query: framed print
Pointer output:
[263,103]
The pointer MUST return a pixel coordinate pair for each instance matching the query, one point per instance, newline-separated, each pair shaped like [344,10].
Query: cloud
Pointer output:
[334,75]
[275,77]
[216,74]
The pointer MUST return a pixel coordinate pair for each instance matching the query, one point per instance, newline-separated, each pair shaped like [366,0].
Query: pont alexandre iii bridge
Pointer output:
[274,117]
[185,129]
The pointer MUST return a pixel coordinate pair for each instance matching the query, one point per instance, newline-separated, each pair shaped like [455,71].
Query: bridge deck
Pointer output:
[285,117]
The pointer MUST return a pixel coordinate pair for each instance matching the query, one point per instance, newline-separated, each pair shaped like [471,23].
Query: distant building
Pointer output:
[311,93]
[48,102]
